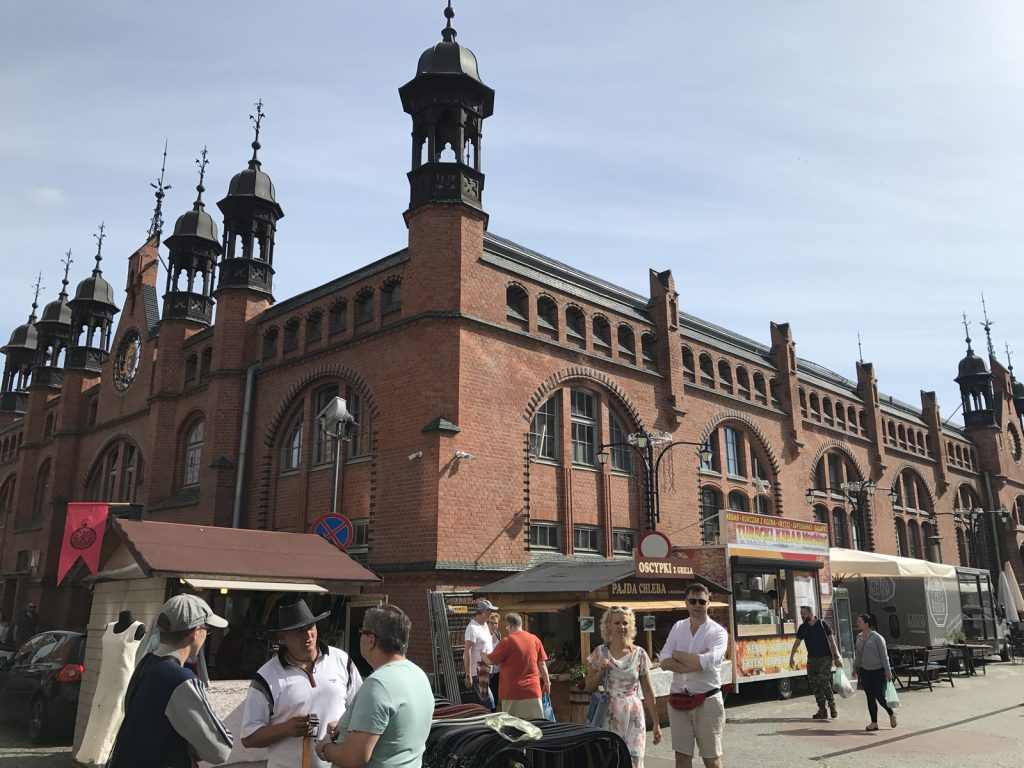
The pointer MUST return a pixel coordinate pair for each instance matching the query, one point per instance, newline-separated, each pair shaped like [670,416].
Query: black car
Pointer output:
[40,683]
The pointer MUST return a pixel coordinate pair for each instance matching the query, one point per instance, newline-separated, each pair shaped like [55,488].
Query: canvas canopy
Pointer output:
[852,562]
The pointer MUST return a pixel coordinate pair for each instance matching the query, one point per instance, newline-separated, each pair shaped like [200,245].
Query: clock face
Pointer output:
[126,363]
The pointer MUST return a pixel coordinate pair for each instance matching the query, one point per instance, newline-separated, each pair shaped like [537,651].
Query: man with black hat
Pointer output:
[168,722]
[294,695]
[479,642]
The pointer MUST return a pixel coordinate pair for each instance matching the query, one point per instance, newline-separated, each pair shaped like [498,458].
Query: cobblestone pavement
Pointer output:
[979,722]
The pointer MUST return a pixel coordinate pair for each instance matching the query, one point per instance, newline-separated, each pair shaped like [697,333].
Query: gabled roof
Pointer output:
[571,576]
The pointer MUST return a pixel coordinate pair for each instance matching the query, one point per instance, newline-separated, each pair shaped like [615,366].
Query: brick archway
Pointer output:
[561,378]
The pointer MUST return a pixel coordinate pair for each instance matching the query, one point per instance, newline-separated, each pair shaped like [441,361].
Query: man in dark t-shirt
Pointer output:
[822,653]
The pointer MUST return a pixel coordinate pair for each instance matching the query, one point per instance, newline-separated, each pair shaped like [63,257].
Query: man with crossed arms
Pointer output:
[694,652]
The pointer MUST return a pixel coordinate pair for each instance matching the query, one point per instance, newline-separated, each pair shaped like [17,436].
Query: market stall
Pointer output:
[243,574]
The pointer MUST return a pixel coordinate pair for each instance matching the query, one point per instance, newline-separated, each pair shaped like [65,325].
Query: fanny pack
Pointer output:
[684,701]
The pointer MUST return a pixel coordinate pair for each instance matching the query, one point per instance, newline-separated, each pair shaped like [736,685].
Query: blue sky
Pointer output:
[842,166]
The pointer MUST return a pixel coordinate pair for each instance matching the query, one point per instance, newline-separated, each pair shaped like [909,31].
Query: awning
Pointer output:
[535,607]
[653,605]
[852,562]
[574,576]
[254,586]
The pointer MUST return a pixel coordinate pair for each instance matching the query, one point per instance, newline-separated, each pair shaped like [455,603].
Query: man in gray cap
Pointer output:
[479,642]
[168,722]
[303,687]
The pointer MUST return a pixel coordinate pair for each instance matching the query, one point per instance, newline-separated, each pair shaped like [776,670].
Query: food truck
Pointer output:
[773,565]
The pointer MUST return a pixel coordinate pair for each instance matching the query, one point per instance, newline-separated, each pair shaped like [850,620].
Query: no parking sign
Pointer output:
[336,528]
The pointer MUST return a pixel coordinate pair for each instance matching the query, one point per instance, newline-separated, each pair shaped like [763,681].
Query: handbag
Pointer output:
[598,708]
[685,701]
[549,711]
[890,696]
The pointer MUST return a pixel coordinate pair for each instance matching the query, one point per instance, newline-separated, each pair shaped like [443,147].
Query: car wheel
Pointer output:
[38,725]
[785,687]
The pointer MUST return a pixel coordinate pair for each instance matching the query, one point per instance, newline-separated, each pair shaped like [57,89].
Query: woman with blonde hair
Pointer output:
[624,669]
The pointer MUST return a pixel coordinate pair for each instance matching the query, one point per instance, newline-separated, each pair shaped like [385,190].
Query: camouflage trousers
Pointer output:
[819,677]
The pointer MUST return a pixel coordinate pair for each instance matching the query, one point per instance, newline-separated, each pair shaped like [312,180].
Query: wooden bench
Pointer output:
[931,667]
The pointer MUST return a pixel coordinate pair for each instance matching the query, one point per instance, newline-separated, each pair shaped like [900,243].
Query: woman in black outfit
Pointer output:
[871,665]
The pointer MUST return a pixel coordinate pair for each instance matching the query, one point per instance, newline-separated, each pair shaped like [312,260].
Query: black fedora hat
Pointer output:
[297,615]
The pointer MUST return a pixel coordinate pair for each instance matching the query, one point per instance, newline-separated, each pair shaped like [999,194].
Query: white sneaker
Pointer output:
[893,722]
[872,727]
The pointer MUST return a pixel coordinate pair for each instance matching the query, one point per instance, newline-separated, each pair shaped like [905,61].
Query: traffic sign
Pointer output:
[336,528]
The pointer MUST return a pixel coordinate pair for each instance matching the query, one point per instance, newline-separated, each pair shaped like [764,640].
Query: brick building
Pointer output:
[484,377]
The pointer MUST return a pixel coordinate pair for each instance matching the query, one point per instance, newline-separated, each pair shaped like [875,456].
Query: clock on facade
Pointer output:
[126,363]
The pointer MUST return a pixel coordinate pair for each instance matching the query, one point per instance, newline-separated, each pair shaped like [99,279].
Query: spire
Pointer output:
[860,349]
[96,272]
[448,34]
[67,261]
[35,299]
[202,162]
[256,120]
[156,224]
[987,325]
[1009,359]
[967,332]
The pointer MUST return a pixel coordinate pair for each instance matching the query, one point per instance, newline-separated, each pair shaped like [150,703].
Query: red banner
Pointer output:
[83,536]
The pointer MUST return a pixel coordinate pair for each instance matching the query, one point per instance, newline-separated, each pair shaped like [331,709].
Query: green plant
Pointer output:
[577,672]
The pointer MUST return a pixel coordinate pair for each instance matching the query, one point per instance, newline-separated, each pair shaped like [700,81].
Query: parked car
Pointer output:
[40,684]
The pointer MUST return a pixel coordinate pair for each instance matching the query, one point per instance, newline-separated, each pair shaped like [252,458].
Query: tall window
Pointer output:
[839,527]
[583,426]
[914,536]
[193,453]
[711,503]
[733,452]
[544,430]
[901,538]
[621,452]
[323,441]
[116,475]
[361,443]
[291,450]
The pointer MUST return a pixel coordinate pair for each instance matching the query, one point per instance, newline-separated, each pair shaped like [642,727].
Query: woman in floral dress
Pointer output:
[627,667]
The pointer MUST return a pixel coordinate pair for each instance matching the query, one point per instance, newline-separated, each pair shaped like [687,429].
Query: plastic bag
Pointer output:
[890,696]
[549,711]
[512,728]
[846,689]
[837,680]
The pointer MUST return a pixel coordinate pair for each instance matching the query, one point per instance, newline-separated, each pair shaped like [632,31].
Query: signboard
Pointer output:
[767,658]
[662,568]
[336,528]
[649,623]
[776,534]
[587,624]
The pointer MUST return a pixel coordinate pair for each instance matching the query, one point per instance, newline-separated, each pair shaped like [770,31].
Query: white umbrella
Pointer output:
[1014,603]
[853,562]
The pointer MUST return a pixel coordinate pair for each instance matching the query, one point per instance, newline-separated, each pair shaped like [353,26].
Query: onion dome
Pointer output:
[197,222]
[56,315]
[253,183]
[23,338]
[971,365]
[94,288]
[448,57]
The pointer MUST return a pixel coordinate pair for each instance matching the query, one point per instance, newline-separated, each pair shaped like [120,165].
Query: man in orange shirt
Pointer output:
[524,673]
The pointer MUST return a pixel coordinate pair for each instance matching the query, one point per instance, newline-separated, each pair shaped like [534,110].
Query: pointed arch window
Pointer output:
[116,475]
[627,343]
[742,383]
[291,449]
[725,376]
[193,453]
[516,305]
[576,327]
[544,429]
[621,452]
[547,317]
[760,393]
[689,371]
[602,335]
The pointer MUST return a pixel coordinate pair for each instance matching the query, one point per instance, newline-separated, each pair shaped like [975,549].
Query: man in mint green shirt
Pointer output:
[388,722]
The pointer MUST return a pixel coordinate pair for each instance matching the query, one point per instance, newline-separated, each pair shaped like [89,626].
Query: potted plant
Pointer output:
[577,675]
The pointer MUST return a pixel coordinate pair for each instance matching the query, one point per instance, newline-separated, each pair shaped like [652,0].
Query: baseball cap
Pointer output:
[484,604]
[183,612]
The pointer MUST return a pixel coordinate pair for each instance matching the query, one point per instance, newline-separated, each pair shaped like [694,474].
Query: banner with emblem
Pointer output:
[83,536]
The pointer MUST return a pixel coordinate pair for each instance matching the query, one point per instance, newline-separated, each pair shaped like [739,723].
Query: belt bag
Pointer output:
[684,701]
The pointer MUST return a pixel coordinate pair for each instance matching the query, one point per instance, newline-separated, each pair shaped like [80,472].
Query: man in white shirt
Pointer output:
[694,652]
[479,642]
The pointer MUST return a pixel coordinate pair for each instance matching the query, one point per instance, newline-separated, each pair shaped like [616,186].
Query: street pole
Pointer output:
[653,516]
[337,469]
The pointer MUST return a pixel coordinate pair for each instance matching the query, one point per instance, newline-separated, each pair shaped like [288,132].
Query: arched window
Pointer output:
[291,448]
[337,317]
[621,452]
[291,334]
[901,434]
[41,503]
[803,402]
[914,540]
[742,383]
[314,326]
[323,440]
[545,430]
[737,501]
[517,305]
[839,527]
[191,369]
[892,433]
[205,363]
[901,538]
[689,371]
[774,388]
[391,296]
[364,306]
[117,474]
[6,500]
[193,453]
[576,327]
[735,452]
[648,351]
[583,417]
[270,343]
[760,393]
[547,316]
[826,407]
[602,335]
[840,415]
[858,538]
[911,492]
[627,343]
[725,376]
[707,370]
[821,515]
[863,421]
[711,503]
[961,547]
[851,418]
[815,407]
[927,544]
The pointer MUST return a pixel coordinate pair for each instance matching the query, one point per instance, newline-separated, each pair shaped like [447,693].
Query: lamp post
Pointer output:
[336,421]
[644,443]
[857,493]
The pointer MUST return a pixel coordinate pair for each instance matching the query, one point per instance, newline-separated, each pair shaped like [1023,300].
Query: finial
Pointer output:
[35,299]
[67,261]
[1009,359]
[201,162]
[860,350]
[256,120]
[156,224]
[448,33]
[987,325]
[99,249]
[967,332]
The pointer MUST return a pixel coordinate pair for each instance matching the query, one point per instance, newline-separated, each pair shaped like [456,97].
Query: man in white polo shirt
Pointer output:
[693,652]
[295,694]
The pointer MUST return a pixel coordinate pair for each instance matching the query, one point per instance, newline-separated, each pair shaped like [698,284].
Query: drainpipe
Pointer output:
[243,444]
[994,522]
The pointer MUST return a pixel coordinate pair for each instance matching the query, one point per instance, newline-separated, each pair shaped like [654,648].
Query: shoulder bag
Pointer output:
[599,701]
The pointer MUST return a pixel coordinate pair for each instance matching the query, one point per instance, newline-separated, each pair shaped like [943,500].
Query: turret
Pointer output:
[92,318]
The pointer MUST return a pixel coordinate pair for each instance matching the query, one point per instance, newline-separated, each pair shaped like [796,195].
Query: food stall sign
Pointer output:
[776,534]
[662,568]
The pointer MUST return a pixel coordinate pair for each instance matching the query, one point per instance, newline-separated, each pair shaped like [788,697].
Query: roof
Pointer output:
[241,553]
[571,576]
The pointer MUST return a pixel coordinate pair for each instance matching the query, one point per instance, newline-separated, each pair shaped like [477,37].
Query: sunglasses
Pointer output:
[696,601]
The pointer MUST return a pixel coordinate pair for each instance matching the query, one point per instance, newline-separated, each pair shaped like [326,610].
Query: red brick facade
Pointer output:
[448,349]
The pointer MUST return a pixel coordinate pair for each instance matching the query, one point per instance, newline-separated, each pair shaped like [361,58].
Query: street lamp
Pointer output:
[857,493]
[644,443]
[335,420]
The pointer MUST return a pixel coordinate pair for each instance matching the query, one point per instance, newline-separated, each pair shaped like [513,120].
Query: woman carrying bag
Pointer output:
[623,668]
[871,666]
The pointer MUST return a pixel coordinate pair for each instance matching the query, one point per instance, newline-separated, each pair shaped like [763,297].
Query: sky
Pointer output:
[845,166]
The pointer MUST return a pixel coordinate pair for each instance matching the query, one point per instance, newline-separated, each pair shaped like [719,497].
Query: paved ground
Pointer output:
[979,722]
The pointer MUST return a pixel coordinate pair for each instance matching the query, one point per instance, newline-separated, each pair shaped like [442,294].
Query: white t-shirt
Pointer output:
[480,635]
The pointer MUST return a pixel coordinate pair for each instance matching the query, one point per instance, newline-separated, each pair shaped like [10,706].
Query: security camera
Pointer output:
[417,455]
[464,455]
